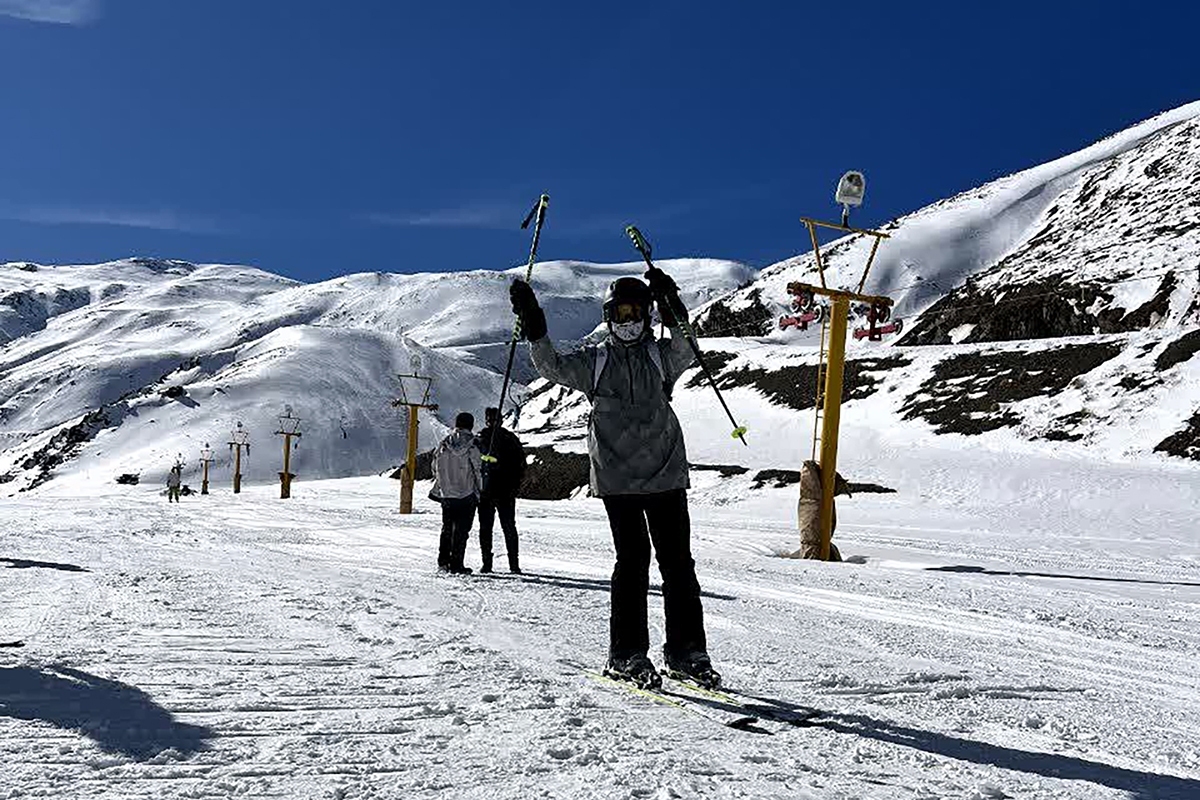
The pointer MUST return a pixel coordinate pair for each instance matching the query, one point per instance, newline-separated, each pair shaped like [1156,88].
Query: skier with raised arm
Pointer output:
[639,468]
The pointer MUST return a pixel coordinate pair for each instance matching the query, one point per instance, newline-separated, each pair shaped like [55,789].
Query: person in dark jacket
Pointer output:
[501,484]
[639,467]
[457,483]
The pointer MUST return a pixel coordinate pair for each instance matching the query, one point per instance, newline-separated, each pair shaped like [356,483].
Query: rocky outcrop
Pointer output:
[796,386]
[970,393]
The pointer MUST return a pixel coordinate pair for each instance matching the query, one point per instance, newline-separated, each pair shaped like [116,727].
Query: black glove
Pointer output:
[529,313]
[665,293]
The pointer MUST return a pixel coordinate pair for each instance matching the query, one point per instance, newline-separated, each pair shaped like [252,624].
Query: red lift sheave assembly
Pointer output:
[877,313]
[809,311]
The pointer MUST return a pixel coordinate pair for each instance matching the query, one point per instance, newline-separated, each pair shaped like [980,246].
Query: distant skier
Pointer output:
[639,468]
[501,483]
[457,484]
[174,482]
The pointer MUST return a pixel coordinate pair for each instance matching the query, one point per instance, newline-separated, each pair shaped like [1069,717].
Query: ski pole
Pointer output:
[537,215]
[676,305]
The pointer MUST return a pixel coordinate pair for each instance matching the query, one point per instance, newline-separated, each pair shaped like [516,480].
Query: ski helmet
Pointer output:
[633,291]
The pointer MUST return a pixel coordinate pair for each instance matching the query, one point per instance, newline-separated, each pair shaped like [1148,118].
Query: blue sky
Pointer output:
[319,137]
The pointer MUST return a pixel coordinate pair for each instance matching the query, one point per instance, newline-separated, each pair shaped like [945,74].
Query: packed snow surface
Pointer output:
[1014,626]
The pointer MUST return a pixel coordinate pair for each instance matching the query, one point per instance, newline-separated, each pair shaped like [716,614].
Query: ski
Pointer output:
[15,643]
[678,700]
[667,697]
[748,704]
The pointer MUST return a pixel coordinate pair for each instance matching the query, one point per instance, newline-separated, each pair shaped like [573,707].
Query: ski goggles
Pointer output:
[627,312]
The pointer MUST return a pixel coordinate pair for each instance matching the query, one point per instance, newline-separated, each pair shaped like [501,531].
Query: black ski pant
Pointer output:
[506,507]
[637,520]
[458,515]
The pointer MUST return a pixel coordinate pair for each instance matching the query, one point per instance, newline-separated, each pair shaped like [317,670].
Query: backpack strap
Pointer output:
[598,368]
[656,358]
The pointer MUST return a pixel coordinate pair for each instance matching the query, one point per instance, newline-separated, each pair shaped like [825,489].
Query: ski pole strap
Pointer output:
[538,212]
[538,208]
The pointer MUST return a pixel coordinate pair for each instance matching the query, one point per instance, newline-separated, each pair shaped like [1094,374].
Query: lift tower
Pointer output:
[832,355]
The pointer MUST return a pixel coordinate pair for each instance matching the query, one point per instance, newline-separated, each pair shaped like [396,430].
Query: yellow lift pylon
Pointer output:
[414,395]
[831,363]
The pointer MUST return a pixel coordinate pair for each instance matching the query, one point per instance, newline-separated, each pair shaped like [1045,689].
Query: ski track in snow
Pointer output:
[240,646]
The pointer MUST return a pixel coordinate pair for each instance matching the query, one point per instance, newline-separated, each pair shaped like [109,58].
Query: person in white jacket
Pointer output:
[457,483]
[174,482]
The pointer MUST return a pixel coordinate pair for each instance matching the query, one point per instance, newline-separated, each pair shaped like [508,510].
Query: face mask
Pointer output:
[627,332]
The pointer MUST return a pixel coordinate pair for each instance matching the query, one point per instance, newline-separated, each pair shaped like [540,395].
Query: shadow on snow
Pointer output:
[1016,573]
[585,584]
[1140,785]
[118,717]
[21,563]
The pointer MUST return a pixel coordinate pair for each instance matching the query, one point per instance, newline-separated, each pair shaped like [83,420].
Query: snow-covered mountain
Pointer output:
[1080,245]
[1053,308]
[1060,304]
[115,368]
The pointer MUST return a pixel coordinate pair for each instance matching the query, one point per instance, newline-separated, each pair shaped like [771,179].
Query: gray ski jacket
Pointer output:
[456,467]
[634,439]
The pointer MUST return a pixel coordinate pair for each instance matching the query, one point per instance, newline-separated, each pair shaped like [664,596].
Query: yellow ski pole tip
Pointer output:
[739,432]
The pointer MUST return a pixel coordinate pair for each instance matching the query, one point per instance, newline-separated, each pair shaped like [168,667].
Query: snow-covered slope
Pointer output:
[1081,226]
[89,354]
[1065,301]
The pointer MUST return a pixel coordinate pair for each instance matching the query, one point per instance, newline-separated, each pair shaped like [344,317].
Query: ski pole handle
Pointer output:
[640,243]
[538,213]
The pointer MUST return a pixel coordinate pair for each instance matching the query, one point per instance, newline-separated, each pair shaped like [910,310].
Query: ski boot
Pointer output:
[637,669]
[694,666]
